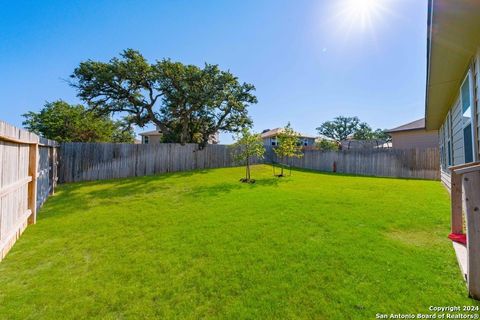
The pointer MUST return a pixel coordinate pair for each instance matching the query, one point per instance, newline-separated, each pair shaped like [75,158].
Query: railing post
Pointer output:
[32,186]
[456,201]
[471,187]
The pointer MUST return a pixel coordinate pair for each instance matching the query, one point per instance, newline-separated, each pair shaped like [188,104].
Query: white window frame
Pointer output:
[470,122]
[273,141]
[146,139]
[448,140]
[441,139]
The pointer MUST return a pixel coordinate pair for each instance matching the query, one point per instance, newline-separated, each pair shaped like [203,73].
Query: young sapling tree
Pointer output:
[288,146]
[248,146]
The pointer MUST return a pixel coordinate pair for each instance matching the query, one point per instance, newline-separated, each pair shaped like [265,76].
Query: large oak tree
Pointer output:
[188,104]
[340,128]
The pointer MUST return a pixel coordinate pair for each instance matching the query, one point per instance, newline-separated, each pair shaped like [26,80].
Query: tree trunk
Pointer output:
[283,161]
[247,173]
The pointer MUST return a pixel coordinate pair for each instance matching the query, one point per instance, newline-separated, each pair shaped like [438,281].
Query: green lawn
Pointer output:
[202,245]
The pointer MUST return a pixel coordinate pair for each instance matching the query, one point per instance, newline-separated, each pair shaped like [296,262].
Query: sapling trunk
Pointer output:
[281,171]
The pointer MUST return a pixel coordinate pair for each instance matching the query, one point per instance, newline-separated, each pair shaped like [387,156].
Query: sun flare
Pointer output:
[360,14]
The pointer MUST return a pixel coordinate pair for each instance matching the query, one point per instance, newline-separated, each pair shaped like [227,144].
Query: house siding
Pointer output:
[457,135]
[268,141]
[475,105]
[152,139]
[414,139]
[452,127]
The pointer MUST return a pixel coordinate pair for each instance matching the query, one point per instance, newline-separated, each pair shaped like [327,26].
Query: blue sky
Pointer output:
[310,60]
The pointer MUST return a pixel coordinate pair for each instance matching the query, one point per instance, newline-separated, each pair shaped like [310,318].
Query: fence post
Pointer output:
[456,202]
[471,185]
[32,186]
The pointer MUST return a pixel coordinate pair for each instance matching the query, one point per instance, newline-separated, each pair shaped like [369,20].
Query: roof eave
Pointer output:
[453,36]
[405,130]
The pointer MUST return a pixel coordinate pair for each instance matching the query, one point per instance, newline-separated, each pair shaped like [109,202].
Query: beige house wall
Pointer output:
[415,139]
[152,139]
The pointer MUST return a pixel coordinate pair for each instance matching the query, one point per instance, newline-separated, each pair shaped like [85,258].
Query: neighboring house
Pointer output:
[413,135]
[269,137]
[385,145]
[452,80]
[214,138]
[322,137]
[151,137]
[155,136]
[351,144]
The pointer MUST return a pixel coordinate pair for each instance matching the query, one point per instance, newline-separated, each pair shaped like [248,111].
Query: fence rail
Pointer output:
[412,163]
[27,177]
[97,161]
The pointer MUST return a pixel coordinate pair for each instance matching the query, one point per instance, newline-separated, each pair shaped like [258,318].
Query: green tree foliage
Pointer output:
[341,127]
[247,146]
[363,132]
[380,134]
[64,122]
[187,103]
[288,145]
[327,145]
[366,133]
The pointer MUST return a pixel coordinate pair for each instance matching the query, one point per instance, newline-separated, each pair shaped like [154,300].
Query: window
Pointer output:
[443,153]
[468,143]
[466,105]
[274,141]
[145,139]
[442,157]
[449,153]
[447,138]
[466,100]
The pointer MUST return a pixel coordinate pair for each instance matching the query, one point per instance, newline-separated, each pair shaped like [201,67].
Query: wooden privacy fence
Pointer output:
[97,161]
[27,176]
[412,163]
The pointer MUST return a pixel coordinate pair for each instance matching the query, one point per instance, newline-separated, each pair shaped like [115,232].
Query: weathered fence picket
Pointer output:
[412,163]
[27,176]
[97,161]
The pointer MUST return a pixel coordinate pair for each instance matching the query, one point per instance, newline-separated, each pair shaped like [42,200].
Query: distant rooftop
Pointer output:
[414,125]
[150,133]
[276,131]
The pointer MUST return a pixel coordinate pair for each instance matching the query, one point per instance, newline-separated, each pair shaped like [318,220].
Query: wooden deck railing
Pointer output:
[465,186]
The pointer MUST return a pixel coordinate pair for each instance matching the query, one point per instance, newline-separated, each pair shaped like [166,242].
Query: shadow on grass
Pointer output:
[340,174]
[71,197]
[83,196]
[227,187]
